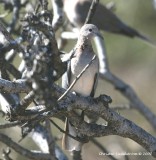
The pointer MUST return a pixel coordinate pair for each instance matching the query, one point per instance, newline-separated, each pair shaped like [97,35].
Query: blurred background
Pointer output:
[133,61]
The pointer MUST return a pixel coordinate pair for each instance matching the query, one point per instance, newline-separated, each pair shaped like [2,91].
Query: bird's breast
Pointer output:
[85,83]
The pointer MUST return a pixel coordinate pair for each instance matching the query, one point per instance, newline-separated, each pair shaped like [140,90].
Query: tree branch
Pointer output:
[117,125]
[58,14]
[129,93]
[9,124]
[18,86]
[25,152]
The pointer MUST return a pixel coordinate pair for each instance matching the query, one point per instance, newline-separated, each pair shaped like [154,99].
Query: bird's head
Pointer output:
[90,31]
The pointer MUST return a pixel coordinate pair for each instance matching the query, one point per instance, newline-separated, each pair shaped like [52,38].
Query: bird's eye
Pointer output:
[90,30]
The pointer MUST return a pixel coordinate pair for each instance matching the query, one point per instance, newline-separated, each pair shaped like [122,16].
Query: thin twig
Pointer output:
[26,101]
[91,11]
[23,151]
[61,130]
[10,124]
[9,38]
[76,79]
[6,154]
[50,138]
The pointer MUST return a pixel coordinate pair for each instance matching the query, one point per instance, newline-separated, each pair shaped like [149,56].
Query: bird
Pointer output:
[77,10]
[86,84]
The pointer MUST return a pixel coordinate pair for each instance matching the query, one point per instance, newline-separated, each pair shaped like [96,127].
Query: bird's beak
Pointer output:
[99,35]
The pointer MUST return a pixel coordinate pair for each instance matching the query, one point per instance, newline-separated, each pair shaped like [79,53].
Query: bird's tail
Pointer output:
[128,31]
[68,143]
[146,39]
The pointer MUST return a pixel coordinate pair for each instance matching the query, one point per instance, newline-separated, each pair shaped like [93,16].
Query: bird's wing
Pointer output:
[106,20]
[66,78]
[109,21]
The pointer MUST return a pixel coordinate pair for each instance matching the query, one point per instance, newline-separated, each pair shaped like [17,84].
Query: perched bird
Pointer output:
[104,19]
[86,84]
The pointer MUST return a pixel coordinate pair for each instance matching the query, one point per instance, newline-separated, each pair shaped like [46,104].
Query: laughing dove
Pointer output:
[104,19]
[86,84]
